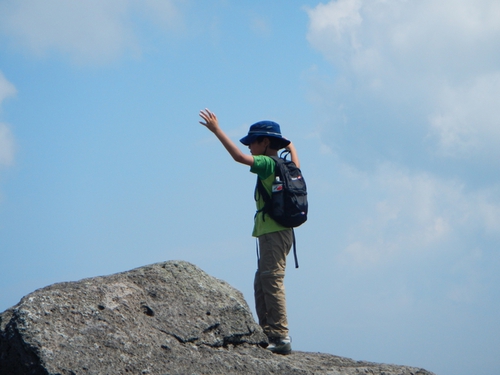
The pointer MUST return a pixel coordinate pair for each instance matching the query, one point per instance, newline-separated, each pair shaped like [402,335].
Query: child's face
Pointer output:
[259,148]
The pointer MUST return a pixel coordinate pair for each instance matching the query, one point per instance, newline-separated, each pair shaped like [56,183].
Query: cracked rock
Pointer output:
[165,318]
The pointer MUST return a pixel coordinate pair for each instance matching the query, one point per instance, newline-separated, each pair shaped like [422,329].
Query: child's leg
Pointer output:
[274,247]
[260,303]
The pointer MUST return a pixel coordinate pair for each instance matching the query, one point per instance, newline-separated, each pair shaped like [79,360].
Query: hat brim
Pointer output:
[250,138]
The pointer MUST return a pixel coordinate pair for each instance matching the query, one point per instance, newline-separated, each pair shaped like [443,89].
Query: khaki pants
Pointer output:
[269,288]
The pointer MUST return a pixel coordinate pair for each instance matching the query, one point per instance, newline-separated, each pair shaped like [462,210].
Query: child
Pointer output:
[264,139]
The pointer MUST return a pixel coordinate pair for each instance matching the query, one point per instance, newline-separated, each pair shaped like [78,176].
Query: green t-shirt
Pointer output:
[263,166]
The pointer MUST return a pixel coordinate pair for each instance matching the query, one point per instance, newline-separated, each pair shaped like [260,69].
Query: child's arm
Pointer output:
[293,154]
[212,124]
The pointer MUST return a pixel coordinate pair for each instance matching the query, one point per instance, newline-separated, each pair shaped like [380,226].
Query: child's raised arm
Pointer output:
[293,154]
[212,124]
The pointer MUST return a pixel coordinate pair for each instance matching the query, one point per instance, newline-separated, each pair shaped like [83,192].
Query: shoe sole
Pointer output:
[281,352]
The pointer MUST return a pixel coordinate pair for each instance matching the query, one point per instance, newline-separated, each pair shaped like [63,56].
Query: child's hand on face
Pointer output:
[210,118]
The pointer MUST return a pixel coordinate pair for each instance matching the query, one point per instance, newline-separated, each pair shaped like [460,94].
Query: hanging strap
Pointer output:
[295,250]
[257,249]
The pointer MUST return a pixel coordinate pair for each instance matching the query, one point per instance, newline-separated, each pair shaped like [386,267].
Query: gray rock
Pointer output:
[165,318]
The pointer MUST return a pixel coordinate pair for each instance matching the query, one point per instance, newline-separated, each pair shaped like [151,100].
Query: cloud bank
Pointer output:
[88,32]
[439,59]
[411,110]
[7,144]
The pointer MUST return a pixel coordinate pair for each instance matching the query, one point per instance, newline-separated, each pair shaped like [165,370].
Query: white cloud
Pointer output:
[416,214]
[335,23]
[7,144]
[441,59]
[6,88]
[415,85]
[86,30]
[164,13]
[260,26]
[89,31]
[467,118]
[469,269]
[407,38]
[323,148]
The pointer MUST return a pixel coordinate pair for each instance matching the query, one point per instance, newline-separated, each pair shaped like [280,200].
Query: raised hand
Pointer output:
[211,121]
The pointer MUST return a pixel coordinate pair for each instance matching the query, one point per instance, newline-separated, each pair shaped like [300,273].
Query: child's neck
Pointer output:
[270,152]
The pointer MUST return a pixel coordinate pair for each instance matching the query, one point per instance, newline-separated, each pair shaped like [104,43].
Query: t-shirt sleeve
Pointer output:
[263,166]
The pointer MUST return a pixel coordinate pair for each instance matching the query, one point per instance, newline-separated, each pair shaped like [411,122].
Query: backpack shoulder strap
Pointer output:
[259,187]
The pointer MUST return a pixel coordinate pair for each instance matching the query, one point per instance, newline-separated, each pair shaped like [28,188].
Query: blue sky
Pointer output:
[392,105]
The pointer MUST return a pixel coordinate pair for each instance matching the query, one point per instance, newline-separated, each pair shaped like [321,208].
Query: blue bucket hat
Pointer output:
[266,129]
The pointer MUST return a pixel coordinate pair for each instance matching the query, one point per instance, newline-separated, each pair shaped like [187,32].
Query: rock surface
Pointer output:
[165,318]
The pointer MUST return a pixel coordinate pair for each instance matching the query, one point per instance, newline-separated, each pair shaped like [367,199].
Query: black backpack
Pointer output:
[287,204]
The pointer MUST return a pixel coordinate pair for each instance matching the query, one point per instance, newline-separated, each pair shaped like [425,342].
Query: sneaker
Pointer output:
[280,345]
